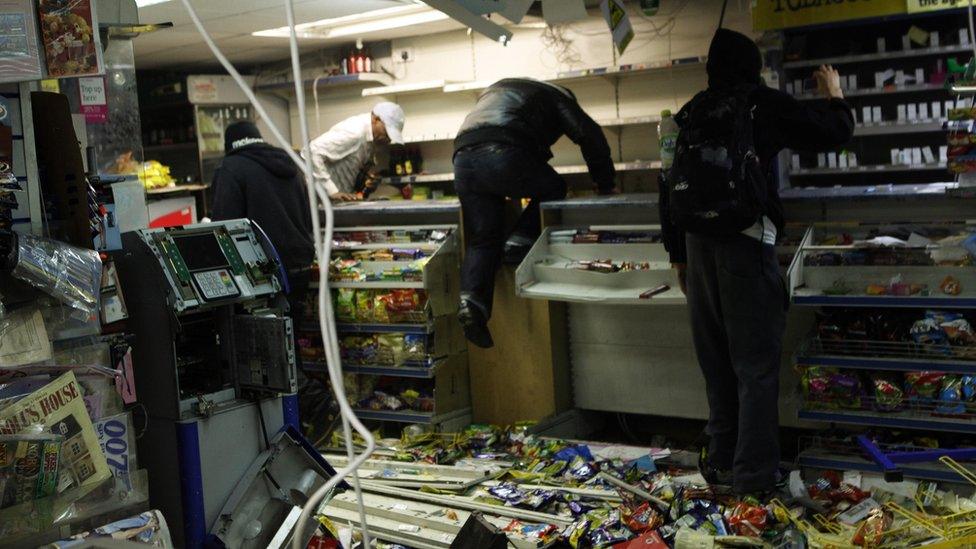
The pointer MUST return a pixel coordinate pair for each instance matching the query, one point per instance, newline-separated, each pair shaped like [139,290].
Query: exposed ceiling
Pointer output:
[231,23]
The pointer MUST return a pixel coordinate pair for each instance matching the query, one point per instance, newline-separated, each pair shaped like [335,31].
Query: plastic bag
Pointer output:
[71,275]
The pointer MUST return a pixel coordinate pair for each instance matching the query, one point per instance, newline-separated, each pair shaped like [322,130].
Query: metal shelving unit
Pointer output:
[337,81]
[438,367]
[899,128]
[872,57]
[861,170]
[603,122]
[885,356]
[862,92]
[895,420]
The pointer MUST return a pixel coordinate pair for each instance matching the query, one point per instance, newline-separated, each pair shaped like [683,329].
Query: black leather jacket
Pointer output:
[533,115]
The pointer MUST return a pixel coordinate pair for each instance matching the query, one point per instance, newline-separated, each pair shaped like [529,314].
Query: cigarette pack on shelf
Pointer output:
[395,260]
[600,264]
[886,265]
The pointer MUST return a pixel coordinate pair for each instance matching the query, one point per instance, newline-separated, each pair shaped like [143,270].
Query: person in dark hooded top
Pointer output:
[736,295]
[262,183]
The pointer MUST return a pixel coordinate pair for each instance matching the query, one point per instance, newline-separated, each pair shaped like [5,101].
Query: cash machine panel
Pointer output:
[213,264]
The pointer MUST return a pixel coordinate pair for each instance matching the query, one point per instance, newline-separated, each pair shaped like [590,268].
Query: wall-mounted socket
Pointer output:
[404,55]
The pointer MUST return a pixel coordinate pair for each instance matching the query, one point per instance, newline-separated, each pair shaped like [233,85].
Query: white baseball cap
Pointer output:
[392,116]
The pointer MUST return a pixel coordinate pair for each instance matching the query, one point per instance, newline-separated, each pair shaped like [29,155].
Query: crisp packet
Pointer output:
[888,394]
[950,396]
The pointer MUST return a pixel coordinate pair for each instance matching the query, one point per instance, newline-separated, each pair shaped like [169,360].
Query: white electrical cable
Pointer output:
[323,245]
[315,97]
[325,320]
[972,31]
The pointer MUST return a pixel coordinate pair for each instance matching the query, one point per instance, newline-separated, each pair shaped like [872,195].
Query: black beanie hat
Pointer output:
[733,58]
[240,134]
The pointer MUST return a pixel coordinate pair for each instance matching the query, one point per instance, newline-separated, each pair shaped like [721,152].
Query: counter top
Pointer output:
[397,207]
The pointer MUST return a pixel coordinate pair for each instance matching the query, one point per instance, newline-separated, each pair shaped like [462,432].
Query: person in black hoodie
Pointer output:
[262,183]
[502,151]
[737,298]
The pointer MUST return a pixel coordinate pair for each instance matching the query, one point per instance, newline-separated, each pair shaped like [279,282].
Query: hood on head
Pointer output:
[271,158]
[733,58]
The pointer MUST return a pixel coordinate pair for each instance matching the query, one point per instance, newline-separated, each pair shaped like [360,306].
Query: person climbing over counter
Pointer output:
[721,216]
[502,151]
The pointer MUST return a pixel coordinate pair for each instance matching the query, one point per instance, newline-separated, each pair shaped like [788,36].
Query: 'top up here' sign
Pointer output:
[94,104]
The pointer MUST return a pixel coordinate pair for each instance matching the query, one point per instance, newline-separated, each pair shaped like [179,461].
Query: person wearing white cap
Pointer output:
[343,157]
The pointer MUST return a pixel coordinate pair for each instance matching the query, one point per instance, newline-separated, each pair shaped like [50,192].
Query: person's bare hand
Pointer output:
[682,269]
[344,197]
[828,82]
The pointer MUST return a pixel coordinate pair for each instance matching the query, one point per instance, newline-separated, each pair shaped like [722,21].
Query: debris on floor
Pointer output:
[541,492]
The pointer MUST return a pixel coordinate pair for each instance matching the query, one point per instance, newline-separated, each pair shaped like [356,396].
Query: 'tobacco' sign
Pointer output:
[780,14]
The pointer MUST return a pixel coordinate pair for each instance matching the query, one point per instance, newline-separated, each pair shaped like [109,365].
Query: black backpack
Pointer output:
[716,185]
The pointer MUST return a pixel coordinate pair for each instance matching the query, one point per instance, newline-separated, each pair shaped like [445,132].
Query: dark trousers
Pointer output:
[299,281]
[484,176]
[737,301]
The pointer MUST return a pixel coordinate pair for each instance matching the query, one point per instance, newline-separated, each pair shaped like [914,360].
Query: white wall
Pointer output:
[456,56]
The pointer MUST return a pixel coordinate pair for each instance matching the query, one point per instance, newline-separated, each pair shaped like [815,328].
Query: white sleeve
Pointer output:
[320,171]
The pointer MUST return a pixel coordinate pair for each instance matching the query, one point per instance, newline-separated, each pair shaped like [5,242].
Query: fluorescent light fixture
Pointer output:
[144,3]
[362,23]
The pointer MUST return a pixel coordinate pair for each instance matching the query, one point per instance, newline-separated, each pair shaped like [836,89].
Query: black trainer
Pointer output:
[714,476]
[474,324]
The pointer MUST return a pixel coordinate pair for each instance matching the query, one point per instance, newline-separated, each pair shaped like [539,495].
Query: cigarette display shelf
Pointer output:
[841,275]
[895,127]
[550,272]
[636,166]
[865,192]
[861,170]
[878,56]
[887,90]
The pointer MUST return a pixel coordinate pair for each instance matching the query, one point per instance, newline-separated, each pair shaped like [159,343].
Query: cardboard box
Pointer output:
[852,81]
[832,160]
[923,111]
[928,155]
[795,162]
[916,156]
[895,157]
[842,160]
[821,160]
[936,110]
[902,112]
[881,45]
[865,115]
[852,159]
[944,154]
[912,114]
[789,88]
[919,76]
[876,114]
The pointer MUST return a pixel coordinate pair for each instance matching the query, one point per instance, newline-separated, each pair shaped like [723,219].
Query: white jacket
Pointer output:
[341,153]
